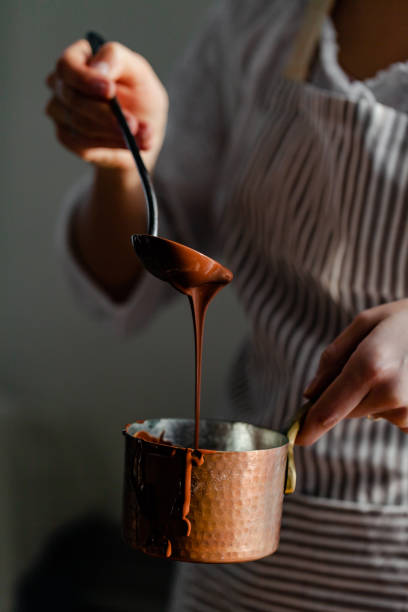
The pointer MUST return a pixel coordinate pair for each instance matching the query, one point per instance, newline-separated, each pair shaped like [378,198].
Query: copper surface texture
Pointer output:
[206,505]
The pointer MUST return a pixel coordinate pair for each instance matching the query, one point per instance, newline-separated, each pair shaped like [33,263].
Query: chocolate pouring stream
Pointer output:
[192,273]
[228,503]
[189,271]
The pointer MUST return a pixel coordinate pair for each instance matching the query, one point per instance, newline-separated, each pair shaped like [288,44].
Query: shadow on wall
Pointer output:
[85,567]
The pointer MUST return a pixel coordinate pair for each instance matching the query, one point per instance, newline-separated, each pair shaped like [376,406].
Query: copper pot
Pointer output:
[218,505]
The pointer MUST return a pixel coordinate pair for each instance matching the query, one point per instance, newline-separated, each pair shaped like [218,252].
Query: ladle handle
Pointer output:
[291,434]
[96,41]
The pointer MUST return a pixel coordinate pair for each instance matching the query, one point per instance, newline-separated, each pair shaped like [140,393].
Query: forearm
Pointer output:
[102,226]
[82,85]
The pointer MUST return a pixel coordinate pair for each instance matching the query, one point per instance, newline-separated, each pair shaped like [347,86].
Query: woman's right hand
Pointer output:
[82,85]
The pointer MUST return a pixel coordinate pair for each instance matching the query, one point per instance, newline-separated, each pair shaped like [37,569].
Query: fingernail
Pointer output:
[102,67]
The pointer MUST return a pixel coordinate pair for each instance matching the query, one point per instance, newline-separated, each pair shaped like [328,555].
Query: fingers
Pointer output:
[363,372]
[398,416]
[96,75]
[97,125]
[98,154]
[83,84]
[367,369]
[388,394]
[96,111]
[388,400]
[119,63]
[88,127]
[73,69]
[338,352]
[76,106]
[342,396]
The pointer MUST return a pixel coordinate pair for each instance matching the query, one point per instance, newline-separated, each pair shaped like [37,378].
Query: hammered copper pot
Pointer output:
[237,486]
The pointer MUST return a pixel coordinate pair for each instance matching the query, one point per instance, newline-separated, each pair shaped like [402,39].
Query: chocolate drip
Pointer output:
[192,273]
[199,278]
[199,299]
[144,435]
[198,459]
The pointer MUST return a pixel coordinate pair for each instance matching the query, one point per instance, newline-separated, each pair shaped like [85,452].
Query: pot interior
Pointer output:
[229,436]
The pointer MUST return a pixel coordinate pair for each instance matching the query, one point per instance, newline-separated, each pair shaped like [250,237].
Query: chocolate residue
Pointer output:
[161,479]
[144,435]
[200,278]
[198,459]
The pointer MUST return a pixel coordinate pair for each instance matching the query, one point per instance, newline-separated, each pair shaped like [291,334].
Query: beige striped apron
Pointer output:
[316,230]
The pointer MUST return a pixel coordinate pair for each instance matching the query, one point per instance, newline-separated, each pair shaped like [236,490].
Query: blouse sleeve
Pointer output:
[185,178]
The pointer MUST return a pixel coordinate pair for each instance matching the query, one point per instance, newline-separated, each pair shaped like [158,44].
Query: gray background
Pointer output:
[68,384]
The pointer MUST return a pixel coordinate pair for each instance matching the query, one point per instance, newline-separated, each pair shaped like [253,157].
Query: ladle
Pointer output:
[168,260]
[194,274]
[182,267]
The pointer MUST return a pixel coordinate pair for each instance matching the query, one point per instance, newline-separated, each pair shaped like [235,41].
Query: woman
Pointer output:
[291,159]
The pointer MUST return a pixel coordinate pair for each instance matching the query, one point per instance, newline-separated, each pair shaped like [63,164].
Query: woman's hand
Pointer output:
[81,86]
[363,372]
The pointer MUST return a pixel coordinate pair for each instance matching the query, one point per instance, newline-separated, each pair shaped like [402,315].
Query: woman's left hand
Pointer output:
[363,372]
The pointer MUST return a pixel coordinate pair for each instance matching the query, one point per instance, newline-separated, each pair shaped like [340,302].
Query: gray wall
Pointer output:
[68,385]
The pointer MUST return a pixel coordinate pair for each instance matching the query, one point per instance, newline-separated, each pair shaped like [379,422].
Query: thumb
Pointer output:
[75,69]
[103,61]
[118,63]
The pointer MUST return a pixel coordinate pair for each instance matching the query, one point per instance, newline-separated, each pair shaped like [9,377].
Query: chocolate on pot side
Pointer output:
[199,278]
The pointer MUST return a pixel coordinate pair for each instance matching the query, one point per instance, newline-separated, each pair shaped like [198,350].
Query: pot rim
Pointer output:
[284,437]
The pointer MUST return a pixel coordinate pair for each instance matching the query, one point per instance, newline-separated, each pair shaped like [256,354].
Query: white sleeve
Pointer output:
[185,178]
[137,310]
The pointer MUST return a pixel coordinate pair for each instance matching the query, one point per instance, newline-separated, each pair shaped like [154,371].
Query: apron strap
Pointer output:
[306,40]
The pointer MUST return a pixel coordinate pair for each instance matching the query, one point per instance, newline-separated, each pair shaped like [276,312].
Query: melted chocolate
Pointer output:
[198,459]
[161,479]
[144,435]
[200,278]
[192,273]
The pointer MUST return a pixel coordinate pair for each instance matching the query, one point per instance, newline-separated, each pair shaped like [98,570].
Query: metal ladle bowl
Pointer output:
[178,264]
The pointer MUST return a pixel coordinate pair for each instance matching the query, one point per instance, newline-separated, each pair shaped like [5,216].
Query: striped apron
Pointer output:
[315,231]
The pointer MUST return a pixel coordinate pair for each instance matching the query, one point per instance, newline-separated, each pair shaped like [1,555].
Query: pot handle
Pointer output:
[291,435]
